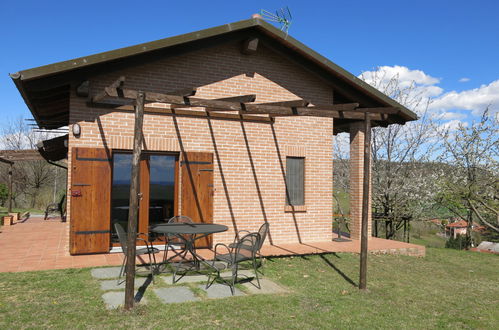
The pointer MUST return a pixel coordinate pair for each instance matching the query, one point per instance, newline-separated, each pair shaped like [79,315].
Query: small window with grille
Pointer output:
[295,181]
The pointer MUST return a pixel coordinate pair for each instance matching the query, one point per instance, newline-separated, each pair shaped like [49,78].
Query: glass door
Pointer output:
[162,173]
[158,185]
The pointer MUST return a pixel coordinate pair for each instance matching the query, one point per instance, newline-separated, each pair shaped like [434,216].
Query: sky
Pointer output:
[449,49]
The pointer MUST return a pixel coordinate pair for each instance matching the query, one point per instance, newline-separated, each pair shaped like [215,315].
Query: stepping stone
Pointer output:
[116,299]
[240,273]
[113,285]
[185,279]
[268,287]
[175,295]
[103,273]
[217,290]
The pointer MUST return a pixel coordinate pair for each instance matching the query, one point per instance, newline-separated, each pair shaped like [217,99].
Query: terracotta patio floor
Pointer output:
[42,245]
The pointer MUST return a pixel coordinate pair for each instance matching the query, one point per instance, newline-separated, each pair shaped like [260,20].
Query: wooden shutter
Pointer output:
[197,189]
[90,225]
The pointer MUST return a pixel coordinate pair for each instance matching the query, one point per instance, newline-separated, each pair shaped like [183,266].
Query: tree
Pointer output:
[472,191]
[29,177]
[4,193]
[403,178]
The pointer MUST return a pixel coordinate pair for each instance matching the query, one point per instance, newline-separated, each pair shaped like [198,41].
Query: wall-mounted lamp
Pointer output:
[76,130]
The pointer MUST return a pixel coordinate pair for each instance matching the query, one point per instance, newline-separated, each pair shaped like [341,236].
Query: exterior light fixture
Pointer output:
[76,130]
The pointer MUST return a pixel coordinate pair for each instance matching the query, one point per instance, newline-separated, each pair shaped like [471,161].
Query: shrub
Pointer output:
[4,193]
[458,243]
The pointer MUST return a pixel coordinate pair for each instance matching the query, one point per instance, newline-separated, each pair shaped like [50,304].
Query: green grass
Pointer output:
[429,240]
[447,289]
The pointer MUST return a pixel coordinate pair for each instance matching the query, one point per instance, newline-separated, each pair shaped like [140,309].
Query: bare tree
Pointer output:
[472,191]
[29,177]
[403,178]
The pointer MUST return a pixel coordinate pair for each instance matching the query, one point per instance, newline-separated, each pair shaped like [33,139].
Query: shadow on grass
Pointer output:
[330,264]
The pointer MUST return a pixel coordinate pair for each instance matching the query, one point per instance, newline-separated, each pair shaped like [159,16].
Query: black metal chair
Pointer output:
[245,249]
[174,243]
[149,250]
[263,231]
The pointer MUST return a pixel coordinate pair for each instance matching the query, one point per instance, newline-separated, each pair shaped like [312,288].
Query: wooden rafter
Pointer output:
[182,102]
[341,111]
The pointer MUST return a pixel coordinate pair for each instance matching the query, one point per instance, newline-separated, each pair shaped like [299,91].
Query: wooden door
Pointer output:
[90,201]
[197,189]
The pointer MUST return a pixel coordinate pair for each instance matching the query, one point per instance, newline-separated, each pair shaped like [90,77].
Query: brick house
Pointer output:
[225,168]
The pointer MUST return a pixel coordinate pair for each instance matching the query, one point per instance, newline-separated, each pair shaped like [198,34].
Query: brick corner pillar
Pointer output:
[356,181]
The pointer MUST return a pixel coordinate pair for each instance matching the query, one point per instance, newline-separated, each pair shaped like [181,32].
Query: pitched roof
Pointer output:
[56,75]
[459,224]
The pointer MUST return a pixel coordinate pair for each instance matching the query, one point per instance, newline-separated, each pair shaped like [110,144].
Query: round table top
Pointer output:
[188,228]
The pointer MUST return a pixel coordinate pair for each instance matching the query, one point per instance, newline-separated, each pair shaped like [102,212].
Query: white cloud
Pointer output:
[411,88]
[405,75]
[448,115]
[476,99]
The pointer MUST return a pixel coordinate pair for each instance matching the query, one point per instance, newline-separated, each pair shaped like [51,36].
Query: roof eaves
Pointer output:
[265,27]
[85,61]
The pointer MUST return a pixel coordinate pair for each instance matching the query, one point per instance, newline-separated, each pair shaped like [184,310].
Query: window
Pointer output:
[295,181]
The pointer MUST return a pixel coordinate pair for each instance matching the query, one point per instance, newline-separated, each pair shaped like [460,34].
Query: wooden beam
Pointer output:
[246,108]
[186,112]
[339,111]
[365,203]
[191,91]
[134,202]
[239,98]
[117,85]
[293,103]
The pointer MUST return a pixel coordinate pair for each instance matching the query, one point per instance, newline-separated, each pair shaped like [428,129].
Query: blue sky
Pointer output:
[435,42]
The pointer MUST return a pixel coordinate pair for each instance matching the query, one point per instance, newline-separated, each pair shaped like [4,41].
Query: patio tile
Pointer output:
[175,295]
[33,244]
[268,287]
[115,299]
[104,273]
[185,279]
[220,291]
[113,285]
[240,273]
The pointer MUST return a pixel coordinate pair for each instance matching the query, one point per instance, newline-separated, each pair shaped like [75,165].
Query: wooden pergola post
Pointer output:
[133,210]
[365,203]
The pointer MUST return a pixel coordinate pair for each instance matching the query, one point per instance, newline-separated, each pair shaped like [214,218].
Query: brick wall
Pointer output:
[250,158]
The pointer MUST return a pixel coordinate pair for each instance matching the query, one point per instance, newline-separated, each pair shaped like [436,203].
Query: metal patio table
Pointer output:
[194,232]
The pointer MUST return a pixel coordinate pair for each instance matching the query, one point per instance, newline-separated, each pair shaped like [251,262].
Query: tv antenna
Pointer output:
[281,16]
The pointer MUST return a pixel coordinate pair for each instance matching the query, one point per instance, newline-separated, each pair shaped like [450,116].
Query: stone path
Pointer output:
[189,288]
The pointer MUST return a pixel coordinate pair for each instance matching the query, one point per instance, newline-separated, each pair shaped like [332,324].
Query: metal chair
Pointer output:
[149,250]
[244,249]
[263,231]
[173,242]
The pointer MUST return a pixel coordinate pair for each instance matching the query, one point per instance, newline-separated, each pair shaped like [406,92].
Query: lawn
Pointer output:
[447,289]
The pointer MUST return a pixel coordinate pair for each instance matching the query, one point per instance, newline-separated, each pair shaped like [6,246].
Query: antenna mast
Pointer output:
[281,16]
